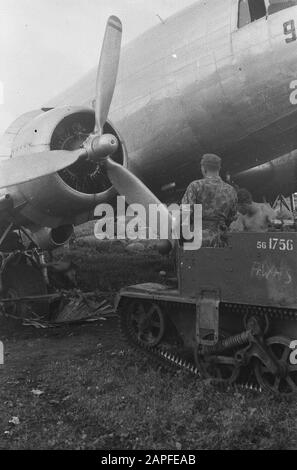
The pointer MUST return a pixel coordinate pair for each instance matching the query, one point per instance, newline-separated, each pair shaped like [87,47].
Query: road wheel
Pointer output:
[145,322]
[285,382]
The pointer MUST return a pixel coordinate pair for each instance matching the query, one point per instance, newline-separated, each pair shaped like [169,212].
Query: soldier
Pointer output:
[218,199]
[253,216]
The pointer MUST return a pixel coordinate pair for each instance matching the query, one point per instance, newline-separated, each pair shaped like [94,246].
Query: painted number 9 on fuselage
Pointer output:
[290,31]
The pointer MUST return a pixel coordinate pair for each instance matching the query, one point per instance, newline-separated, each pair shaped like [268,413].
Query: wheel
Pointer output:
[146,323]
[24,280]
[223,368]
[285,382]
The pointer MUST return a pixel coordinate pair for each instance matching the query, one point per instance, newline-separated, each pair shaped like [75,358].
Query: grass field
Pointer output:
[98,394]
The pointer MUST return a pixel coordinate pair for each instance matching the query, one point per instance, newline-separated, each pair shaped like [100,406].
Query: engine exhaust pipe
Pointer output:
[50,239]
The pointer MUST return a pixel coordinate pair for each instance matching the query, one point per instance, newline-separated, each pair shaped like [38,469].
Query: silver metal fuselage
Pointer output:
[199,84]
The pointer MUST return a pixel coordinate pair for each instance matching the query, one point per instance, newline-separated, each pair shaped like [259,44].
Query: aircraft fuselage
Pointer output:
[197,84]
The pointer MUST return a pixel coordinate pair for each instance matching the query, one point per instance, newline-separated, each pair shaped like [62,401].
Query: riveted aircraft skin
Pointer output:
[197,84]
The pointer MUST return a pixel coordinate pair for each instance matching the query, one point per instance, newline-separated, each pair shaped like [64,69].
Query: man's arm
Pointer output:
[238,224]
[233,209]
[189,196]
[270,214]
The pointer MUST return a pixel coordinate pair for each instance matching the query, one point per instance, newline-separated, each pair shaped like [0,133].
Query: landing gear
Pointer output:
[145,323]
[285,381]
[21,280]
[22,272]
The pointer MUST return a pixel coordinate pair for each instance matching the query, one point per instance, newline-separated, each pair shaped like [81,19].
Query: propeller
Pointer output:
[107,71]
[123,181]
[134,190]
[97,146]
[16,171]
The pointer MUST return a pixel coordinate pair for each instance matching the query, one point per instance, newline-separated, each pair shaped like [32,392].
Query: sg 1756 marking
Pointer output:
[275,244]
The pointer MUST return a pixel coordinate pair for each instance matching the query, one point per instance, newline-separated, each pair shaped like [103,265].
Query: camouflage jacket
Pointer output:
[218,199]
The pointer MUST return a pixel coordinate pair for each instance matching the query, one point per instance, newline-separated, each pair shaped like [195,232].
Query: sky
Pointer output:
[47,45]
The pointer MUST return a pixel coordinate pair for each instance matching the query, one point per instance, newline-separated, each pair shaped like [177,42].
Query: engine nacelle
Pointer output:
[272,178]
[69,196]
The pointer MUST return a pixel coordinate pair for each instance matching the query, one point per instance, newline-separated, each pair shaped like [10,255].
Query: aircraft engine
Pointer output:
[270,179]
[69,195]
[65,154]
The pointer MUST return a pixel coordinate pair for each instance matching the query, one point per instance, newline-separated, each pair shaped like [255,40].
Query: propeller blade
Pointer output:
[135,191]
[107,71]
[29,167]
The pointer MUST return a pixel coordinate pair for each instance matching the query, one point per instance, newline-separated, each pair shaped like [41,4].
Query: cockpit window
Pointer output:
[252,10]
[276,5]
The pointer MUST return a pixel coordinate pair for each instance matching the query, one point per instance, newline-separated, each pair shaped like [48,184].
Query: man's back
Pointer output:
[218,199]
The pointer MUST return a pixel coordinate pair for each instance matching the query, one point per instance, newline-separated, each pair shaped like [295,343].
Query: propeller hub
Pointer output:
[100,147]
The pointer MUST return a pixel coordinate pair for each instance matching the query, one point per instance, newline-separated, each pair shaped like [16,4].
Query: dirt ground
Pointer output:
[82,387]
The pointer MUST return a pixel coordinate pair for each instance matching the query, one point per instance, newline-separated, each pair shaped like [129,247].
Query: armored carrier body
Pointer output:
[232,316]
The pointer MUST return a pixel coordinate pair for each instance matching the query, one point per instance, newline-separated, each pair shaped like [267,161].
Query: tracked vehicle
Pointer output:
[232,316]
